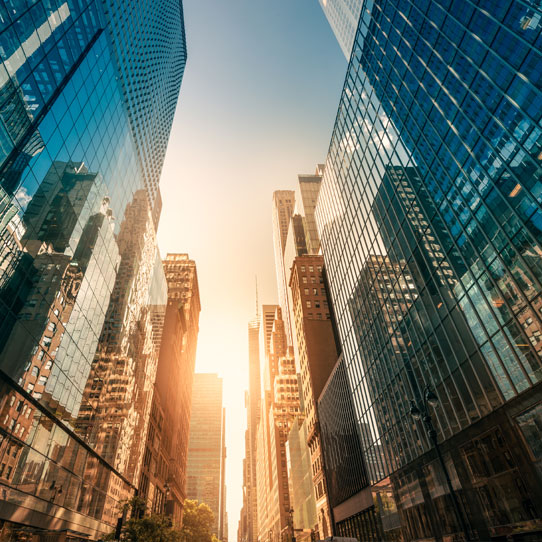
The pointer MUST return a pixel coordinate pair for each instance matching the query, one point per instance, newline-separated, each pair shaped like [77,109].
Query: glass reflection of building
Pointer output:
[430,225]
[118,391]
[70,164]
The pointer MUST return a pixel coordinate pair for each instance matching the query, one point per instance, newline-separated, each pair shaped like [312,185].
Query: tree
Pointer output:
[153,528]
[146,528]
[198,521]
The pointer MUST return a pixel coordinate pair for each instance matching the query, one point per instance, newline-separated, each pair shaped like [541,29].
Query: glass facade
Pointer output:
[71,168]
[346,472]
[343,16]
[205,476]
[431,227]
[150,95]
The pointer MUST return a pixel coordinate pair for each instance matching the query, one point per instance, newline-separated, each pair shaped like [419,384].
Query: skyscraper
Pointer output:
[309,188]
[157,28]
[343,16]
[73,160]
[282,210]
[280,408]
[266,330]
[430,225]
[317,356]
[206,450]
[253,417]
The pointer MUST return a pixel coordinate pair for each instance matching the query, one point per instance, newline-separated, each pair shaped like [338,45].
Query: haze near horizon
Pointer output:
[256,108]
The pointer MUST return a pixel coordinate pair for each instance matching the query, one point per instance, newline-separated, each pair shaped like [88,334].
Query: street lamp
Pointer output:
[291,524]
[430,399]
[166,494]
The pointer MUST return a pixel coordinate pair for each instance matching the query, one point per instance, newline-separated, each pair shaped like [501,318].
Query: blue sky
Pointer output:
[257,107]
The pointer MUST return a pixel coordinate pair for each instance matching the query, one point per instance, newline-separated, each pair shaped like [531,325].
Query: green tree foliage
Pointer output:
[146,528]
[153,528]
[197,522]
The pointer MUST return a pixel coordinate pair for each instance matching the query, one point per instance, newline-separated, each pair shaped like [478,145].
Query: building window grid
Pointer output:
[109,107]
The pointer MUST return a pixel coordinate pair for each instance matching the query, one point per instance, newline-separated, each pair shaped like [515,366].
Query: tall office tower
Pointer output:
[206,450]
[242,526]
[309,188]
[282,210]
[301,238]
[163,477]
[253,404]
[156,27]
[429,221]
[343,16]
[296,245]
[223,525]
[266,330]
[70,167]
[280,408]
[317,356]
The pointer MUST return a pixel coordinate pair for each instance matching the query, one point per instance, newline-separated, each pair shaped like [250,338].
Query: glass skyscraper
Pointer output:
[430,220]
[343,16]
[80,143]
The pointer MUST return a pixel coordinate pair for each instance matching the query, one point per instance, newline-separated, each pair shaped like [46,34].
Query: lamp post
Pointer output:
[430,399]
[166,494]
[291,525]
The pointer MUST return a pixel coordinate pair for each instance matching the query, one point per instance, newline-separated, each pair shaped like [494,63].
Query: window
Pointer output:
[302,268]
[315,291]
[530,424]
[306,291]
[35,370]
[311,268]
[304,280]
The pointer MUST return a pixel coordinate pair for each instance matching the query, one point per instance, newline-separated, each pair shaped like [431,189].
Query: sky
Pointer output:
[257,107]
